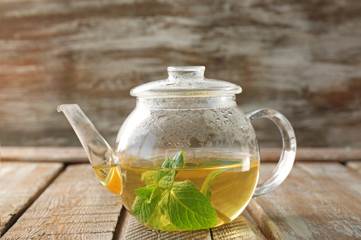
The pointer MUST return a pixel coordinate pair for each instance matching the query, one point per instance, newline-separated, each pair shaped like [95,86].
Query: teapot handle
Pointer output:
[288,154]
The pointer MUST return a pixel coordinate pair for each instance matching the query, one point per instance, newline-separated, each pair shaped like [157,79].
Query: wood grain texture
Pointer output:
[133,230]
[44,154]
[77,154]
[74,206]
[268,227]
[20,185]
[240,228]
[317,201]
[356,166]
[299,57]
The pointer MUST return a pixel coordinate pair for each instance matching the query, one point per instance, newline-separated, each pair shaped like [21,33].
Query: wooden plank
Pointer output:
[268,227]
[135,230]
[354,165]
[74,206]
[20,185]
[132,229]
[317,201]
[77,154]
[44,154]
[316,154]
[299,57]
[240,228]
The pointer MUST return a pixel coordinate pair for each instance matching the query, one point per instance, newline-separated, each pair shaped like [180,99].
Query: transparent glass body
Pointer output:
[187,157]
[159,127]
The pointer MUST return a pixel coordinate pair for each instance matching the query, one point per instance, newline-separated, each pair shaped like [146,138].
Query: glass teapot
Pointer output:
[187,157]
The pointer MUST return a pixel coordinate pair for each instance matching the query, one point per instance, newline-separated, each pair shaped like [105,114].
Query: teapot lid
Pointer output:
[186,81]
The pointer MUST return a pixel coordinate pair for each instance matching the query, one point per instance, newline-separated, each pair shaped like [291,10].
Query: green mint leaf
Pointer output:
[148,177]
[179,159]
[176,162]
[145,204]
[165,179]
[145,192]
[207,182]
[187,207]
[169,163]
[159,220]
[167,205]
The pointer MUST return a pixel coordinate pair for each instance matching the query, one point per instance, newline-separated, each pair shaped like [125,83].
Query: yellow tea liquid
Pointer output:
[110,177]
[231,187]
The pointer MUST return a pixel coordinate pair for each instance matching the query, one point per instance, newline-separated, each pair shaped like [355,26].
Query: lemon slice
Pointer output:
[110,177]
[115,183]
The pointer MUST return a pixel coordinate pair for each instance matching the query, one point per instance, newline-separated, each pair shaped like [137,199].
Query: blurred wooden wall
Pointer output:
[302,58]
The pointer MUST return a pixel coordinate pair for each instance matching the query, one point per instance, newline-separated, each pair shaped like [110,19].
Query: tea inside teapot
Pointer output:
[203,192]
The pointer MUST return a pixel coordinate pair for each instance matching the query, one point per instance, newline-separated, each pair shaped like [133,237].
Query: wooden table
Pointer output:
[52,193]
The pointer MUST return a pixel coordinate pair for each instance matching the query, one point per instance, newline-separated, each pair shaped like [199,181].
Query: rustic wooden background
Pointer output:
[302,58]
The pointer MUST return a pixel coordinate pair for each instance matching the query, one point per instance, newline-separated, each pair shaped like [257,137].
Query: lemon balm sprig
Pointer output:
[166,204]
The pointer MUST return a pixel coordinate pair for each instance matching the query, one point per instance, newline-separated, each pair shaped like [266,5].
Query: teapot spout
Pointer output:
[97,149]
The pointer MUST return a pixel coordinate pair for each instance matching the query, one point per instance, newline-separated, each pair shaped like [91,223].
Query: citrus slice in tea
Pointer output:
[110,177]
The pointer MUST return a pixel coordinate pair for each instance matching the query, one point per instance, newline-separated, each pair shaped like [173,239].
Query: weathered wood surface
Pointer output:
[77,154]
[356,166]
[44,154]
[317,201]
[299,57]
[135,230]
[74,206]
[240,228]
[20,185]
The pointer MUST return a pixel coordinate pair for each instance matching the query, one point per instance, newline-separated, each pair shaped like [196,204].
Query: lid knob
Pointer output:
[186,73]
